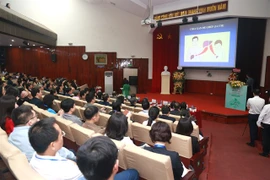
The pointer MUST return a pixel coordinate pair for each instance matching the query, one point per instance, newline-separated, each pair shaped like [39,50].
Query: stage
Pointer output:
[211,107]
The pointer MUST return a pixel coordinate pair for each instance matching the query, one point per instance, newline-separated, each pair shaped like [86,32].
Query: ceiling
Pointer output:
[11,41]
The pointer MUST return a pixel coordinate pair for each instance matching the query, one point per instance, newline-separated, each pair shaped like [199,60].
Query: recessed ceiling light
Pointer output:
[41,46]
[12,40]
[34,45]
[19,46]
[10,45]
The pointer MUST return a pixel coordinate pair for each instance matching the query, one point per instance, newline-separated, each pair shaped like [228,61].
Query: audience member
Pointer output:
[48,103]
[133,100]
[97,160]
[76,95]
[91,115]
[90,99]
[165,113]
[117,128]
[37,95]
[160,134]
[54,93]
[264,122]
[185,127]
[254,105]
[82,95]
[105,99]
[145,106]
[176,110]
[24,117]
[46,138]
[68,106]
[23,97]
[7,104]
[153,115]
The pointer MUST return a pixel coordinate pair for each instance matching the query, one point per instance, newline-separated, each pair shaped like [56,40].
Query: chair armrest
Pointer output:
[189,176]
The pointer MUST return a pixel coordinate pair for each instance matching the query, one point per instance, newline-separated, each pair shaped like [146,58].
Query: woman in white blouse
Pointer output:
[117,128]
[153,115]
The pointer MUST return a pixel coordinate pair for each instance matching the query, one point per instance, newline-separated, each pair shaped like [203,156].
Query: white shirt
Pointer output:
[264,116]
[126,140]
[146,122]
[255,105]
[55,167]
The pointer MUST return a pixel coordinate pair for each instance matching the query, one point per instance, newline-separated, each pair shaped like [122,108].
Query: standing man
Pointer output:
[254,105]
[264,123]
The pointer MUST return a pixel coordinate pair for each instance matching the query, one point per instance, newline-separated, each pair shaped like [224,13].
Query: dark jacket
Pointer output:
[167,117]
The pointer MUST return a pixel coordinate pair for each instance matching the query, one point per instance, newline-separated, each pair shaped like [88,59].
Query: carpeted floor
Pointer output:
[229,157]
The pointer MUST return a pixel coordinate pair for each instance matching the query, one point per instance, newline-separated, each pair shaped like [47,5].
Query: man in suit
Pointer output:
[176,110]
[36,93]
[165,113]
[254,105]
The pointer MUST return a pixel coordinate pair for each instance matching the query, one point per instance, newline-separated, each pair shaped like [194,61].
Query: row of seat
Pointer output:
[78,135]
[15,160]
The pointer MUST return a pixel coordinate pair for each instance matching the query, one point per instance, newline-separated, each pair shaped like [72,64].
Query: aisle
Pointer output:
[229,157]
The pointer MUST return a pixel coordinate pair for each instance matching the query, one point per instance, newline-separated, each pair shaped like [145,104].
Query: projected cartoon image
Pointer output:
[212,47]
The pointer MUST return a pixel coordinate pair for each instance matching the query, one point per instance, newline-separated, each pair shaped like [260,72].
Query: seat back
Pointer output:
[79,102]
[56,105]
[175,117]
[77,112]
[138,109]
[82,87]
[21,169]
[181,144]
[130,108]
[138,117]
[80,134]
[46,114]
[150,165]
[169,122]
[120,146]
[7,149]
[65,126]
[3,133]
[62,97]
[194,133]
[141,133]
[103,119]
[45,92]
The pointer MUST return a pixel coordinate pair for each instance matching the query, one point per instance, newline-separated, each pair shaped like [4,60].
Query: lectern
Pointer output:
[236,98]
[165,84]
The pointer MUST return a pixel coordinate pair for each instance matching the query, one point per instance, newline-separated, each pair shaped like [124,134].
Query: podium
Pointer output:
[165,84]
[236,98]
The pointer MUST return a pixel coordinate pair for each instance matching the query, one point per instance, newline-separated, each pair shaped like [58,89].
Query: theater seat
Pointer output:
[56,105]
[169,122]
[141,133]
[137,117]
[151,166]
[103,119]
[194,133]
[80,134]
[46,114]
[79,102]
[120,146]
[7,149]
[21,169]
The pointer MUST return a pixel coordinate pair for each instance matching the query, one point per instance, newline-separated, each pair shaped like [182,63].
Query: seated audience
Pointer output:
[176,110]
[183,106]
[76,95]
[37,95]
[48,102]
[105,99]
[24,117]
[82,95]
[185,128]
[91,115]
[153,115]
[90,99]
[23,97]
[172,105]
[7,104]
[46,138]
[97,160]
[68,106]
[99,95]
[160,134]
[116,107]
[54,93]
[133,100]
[73,84]
[165,113]
[117,128]
[145,106]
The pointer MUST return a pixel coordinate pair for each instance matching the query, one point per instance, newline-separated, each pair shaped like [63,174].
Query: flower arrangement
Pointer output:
[178,81]
[233,76]
[236,84]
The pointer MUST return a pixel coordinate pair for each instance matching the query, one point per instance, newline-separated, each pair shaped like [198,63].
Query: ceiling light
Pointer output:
[10,45]
[34,45]
[12,40]
[41,46]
